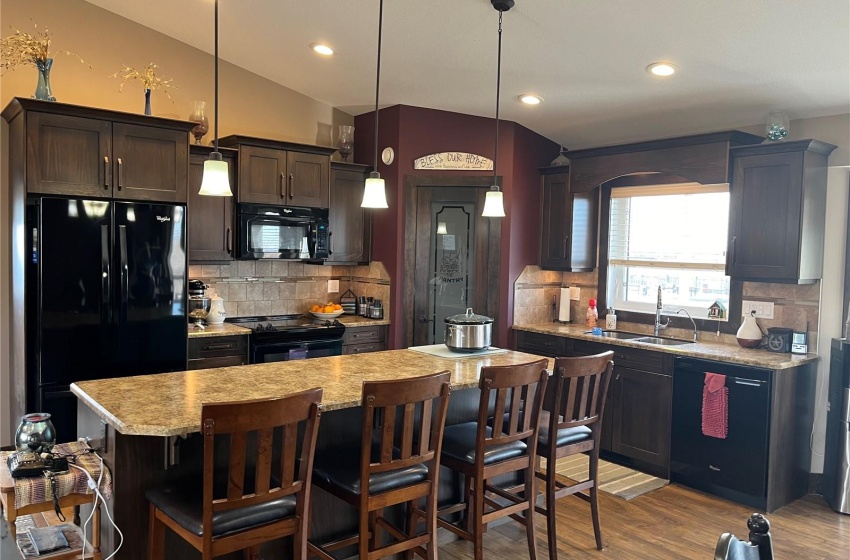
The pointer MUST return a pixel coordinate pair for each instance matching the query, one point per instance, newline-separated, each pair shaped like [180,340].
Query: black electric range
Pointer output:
[291,337]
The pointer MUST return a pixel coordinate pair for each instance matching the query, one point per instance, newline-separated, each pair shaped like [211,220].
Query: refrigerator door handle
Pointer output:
[125,272]
[104,270]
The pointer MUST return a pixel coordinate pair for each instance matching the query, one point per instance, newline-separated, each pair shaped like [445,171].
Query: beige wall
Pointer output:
[249,103]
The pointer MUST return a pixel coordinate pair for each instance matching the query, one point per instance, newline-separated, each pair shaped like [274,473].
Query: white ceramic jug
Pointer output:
[749,335]
[217,315]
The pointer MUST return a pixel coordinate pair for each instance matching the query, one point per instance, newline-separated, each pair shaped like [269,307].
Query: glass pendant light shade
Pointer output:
[442,229]
[375,192]
[216,179]
[494,204]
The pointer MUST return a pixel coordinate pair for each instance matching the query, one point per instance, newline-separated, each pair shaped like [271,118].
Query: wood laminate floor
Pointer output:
[673,522]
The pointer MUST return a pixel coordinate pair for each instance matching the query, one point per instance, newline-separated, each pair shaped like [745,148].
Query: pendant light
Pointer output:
[216,178]
[494,203]
[375,192]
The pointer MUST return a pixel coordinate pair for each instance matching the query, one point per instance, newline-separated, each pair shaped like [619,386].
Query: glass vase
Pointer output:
[346,140]
[199,115]
[42,90]
[778,126]
[148,102]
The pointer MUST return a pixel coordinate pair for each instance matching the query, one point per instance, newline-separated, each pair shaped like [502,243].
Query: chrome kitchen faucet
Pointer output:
[659,326]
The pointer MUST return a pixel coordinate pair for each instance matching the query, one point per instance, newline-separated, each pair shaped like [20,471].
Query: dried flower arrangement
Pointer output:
[22,49]
[148,77]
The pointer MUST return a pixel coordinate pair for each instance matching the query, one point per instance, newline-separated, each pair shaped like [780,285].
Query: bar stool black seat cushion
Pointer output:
[459,444]
[182,501]
[565,437]
[341,468]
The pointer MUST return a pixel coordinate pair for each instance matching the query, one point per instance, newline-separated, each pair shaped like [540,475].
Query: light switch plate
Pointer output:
[575,293]
[763,309]
[333,286]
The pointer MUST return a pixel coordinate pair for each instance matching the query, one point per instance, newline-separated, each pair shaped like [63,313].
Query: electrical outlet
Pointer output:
[333,286]
[763,309]
[575,293]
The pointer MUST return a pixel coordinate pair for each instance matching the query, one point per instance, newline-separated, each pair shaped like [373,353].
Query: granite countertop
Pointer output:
[358,321]
[703,349]
[169,404]
[224,329]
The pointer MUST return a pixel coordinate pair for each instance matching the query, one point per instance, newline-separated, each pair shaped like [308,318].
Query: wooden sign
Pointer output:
[460,161]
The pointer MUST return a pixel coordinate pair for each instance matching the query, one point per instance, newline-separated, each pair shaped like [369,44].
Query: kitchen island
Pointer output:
[149,424]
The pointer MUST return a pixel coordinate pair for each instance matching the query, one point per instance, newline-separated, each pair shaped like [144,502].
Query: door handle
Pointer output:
[734,249]
[120,174]
[291,184]
[228,240]
[106,172]
[748,382]
[424,319]
[566,241]
[104,269]
[125,271]
[330,243]
[282,185]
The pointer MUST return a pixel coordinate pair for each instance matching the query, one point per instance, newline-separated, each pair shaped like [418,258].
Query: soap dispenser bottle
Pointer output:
[611,319]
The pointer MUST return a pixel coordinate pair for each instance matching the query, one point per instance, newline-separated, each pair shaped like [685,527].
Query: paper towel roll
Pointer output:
[564,306]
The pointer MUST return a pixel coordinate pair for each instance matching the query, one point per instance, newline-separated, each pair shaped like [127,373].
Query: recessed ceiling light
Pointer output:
[530,99]
[322,49]
[662,68]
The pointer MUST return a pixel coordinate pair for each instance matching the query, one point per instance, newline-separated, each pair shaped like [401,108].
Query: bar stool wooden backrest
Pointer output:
[576,408]
[238,419]
[519,392]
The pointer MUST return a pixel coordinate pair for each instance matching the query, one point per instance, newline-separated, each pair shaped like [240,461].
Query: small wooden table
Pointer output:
[7,499]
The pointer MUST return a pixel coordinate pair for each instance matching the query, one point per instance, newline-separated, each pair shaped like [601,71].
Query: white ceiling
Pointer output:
[586,58]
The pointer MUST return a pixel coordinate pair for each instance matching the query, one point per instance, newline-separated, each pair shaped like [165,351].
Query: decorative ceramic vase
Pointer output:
[35,433]
[217,314]
[749,334]
[42,90]
[148,102]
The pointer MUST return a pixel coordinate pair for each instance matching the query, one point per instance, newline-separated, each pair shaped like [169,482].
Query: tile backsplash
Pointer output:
[265,287]
[795,306]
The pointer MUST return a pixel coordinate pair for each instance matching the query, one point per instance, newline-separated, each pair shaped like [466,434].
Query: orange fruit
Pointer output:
[316,309]
[329,309]
[337,307]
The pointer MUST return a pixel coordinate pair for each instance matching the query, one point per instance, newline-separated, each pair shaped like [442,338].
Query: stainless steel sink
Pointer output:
[618,334]
[662,341]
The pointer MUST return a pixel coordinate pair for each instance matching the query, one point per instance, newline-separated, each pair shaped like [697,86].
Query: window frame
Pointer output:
[676,321]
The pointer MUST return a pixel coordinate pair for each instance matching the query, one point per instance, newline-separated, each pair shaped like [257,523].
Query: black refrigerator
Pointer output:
[105,297]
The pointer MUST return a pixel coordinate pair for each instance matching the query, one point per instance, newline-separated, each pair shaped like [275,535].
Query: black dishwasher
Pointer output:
[734,467]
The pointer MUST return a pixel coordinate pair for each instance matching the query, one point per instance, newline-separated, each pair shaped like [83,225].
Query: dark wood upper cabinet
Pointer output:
[210,218]
[150,163]
[283,173]
[68,155]
[350,225]
[86,152]
[777,211]
[569,223]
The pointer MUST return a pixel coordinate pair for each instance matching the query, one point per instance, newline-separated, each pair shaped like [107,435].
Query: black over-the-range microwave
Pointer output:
[282,232]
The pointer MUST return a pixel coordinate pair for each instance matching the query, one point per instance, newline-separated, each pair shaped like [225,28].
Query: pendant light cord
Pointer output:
[215,133]
[498,89]
[378,79]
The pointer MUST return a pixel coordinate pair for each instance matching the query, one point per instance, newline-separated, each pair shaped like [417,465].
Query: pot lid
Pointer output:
[469,318]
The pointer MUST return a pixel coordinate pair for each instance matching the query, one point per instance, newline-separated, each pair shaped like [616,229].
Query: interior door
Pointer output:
[451,259]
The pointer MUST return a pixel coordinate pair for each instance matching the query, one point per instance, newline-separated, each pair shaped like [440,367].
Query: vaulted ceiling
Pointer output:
[586,58]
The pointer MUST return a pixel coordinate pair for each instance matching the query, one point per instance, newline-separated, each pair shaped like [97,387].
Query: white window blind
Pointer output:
[673,236]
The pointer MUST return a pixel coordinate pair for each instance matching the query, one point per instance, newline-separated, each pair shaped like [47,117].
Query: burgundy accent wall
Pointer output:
[414,132]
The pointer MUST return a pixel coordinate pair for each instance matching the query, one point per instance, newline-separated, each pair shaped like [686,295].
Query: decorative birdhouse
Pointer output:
[717,310]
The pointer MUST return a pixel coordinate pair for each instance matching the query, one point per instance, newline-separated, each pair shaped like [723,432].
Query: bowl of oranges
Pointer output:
[328,310]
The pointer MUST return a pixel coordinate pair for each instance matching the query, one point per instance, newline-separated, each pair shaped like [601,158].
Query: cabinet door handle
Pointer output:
[106,172]
[291,184]
[120,174]
[734,249]
[228,240]
[330,243]
[225,346]
[566,241]
[282,185]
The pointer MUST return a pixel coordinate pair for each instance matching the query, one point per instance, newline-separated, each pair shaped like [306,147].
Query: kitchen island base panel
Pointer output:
[141,462]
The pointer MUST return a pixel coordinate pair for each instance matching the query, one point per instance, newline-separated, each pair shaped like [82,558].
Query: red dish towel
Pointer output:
[715,406]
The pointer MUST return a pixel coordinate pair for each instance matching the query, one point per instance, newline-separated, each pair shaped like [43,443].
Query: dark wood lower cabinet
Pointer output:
[360,340]
[218,351]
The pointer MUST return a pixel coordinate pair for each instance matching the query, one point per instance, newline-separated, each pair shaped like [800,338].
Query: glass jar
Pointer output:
[778,126]
[35,433]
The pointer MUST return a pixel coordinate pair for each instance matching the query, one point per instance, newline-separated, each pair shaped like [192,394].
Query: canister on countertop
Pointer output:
[611,319]
[376,311]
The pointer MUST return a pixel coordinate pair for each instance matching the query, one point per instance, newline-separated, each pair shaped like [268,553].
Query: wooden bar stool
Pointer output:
[7,499]
[400,466]
[245,504]
[575,417]
[480,452]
